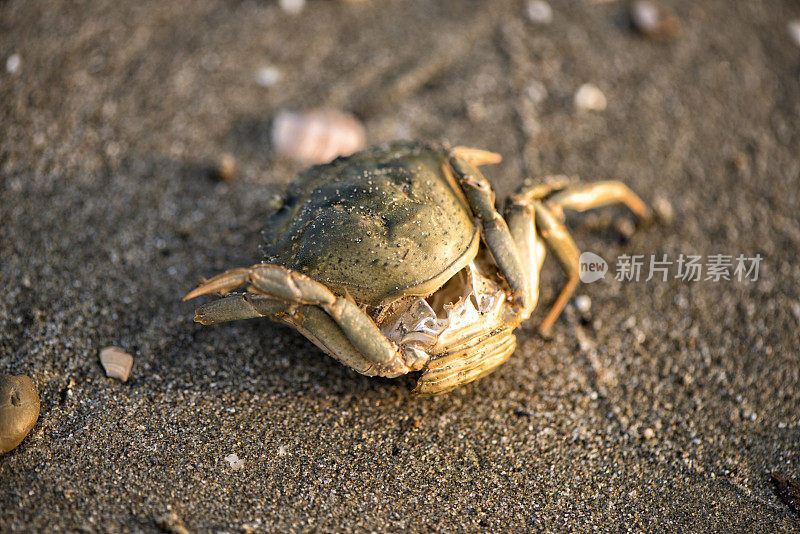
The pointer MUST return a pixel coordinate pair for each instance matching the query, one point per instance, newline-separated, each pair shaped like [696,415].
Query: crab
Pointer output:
[395,260]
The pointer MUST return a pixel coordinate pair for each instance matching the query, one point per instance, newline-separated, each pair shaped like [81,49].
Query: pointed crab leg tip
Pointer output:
[476,156]
[546,333]
[192,294]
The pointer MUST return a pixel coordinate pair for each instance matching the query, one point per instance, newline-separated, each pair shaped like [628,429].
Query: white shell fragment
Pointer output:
[317,136]
[13,63]
[583,303]
[116,362]
[663,209]
[268,76]
[539,11]
[653,21]
[292,6]
[234,461]
[794,31]
[536,91]
[590,97]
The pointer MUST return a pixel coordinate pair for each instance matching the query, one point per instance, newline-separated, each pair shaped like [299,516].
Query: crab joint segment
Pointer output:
[285,289]
[495,231]
[475,156]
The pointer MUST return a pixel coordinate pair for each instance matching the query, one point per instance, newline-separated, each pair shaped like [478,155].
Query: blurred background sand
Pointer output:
[665,406]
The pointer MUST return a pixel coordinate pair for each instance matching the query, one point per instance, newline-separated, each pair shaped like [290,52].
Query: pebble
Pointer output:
[794,31]
[19,410]
[225,169]
[172,524]
[116,362]
[625,227]
[292,6]
[536,91]
[234,461]
[590,97]
[663,210]
[13,63]
[652,20]
[317,136]
[539,11]
[648,433]
[268,76]
[583,303]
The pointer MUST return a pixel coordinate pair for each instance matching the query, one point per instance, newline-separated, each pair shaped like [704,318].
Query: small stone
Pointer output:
[13,63]
[171,523]
[116,362]
[19,410]
[234,461]
[536,91]
[583,303]
[663,209]
[794,31]
[653,21]
[282,451]
[590,97]
[268,76]
[539,11]
[226,168]
[648,433]
[740,161]
[626,228]
[796,311]
[292,6]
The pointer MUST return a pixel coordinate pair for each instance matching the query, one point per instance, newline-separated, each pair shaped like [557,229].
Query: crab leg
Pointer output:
[541,206]
[557,239]
[293,288]
[311,321]
[475,156]
[236,307]
[585,197]
[494,229]
[522,225]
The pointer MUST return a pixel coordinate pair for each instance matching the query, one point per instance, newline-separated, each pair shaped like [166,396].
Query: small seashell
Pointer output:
[19,410]
[663,210]
[583,303]
[234,461]
[653,21]
[268,76]
[539,12]
[292,6]
[13,63]
[536,91]
[116,362]
[794,31]
[317,136]
[590,97]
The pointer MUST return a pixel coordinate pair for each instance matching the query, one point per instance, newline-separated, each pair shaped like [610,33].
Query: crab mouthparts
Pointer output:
[469,304]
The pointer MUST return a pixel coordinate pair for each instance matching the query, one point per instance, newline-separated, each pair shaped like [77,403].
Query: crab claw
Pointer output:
[222,283]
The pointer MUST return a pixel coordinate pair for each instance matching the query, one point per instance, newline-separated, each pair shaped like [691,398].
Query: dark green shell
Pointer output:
[386,222]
